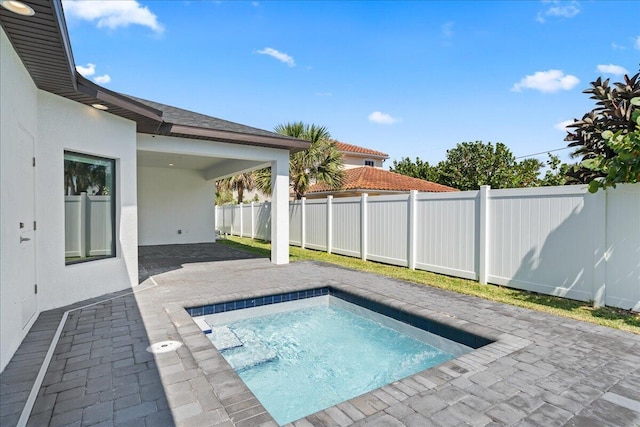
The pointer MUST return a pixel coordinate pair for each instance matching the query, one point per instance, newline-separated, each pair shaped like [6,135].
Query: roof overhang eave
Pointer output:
[110,97]
[291,144]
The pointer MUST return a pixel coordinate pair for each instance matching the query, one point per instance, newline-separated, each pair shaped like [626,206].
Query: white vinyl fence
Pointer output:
[87,226]
[554,240]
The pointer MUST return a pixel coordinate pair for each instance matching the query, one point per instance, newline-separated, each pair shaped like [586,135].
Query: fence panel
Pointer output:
[262,220]
[623,247]
[226,219]
[99,231]
[235,219]
[447,233]
[387,234]
[295,223]
[316,224]
[72,226]
[246,220]
[541,240]
[346,226]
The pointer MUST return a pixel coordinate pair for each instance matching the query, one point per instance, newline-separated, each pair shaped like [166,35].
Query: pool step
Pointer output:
[244,357]
[224,338]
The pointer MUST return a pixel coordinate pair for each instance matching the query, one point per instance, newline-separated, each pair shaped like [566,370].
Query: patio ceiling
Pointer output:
[210,167]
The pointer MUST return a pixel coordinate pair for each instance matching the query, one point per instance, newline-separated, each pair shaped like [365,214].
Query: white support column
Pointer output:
[253,220]
[483,255]
[329,224]
[280,209]
[363,226]
[303,222]
[411,255]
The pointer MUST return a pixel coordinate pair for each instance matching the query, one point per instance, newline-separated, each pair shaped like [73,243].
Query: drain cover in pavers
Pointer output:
[164,346]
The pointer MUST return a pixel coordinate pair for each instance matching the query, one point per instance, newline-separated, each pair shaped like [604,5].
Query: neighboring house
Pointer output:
[88,174]
[364,174]
[355,157]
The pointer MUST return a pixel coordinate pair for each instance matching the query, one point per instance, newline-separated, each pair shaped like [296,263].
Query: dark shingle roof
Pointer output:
[184,117]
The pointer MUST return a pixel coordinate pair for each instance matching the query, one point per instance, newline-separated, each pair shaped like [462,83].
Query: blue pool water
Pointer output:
[302,361]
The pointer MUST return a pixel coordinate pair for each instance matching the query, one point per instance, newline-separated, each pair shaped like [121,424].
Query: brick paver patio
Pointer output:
[541,371]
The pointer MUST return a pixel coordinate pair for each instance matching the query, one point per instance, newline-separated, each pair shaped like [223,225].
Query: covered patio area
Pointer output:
[540,369]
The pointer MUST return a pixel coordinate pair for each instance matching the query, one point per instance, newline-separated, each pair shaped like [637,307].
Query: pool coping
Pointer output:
[244,408]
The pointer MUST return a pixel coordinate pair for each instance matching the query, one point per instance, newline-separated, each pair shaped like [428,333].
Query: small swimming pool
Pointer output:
[302,356]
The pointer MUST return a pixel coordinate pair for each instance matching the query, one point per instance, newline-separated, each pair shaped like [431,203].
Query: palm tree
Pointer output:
[239,183]
[322,162]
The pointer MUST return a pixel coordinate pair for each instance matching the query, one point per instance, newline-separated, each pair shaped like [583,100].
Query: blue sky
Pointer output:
[407,78]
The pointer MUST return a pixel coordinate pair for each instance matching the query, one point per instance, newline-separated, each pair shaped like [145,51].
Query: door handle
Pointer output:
[24,239]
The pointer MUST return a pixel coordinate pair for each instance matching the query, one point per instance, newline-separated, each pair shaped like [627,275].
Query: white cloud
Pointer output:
[383,118]
[324,94]
[103,80]
[559,9]
[563,125]
[280,56]
[547,81]
[637,44]
[616,46]
[616,70]
[87,71]
[113,13]
[447,29]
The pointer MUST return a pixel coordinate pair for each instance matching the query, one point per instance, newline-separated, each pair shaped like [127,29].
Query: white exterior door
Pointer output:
[26,209]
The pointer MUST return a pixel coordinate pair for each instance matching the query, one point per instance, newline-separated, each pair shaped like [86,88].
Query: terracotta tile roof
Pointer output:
[349,148]
[369,178]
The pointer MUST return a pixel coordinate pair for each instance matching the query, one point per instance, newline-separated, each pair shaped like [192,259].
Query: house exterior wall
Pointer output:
[49,124]
[67,125]
[172,200]
[351,161]
[18,113]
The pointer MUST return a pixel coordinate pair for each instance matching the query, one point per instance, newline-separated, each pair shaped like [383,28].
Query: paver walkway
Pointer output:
[542,371]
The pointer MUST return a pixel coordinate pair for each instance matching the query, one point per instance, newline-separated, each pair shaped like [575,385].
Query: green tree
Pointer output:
[417,169]
[239,183]
[322,162]
[613,112]
[557,172]
[472,164]
[624,165]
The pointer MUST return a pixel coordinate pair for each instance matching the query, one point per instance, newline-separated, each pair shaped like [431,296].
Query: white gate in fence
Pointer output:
[554,240]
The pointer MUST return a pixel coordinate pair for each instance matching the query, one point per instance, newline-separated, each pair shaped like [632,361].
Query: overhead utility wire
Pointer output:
[543,152]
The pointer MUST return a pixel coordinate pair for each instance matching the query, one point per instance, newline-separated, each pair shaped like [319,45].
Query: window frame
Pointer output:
[373,163]
[113,210]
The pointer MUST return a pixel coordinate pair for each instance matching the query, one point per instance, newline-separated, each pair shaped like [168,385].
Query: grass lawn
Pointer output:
[606,316]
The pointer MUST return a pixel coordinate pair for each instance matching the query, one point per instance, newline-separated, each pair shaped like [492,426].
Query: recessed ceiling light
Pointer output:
[170,164]
[17,7]
[100,107]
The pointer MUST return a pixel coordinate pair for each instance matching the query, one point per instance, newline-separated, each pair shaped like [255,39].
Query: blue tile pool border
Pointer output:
[453,333]
[223,307]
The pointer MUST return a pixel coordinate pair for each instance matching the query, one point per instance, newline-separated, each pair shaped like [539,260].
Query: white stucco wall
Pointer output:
[18,113]
[174,199]
[67,125]
[351,161]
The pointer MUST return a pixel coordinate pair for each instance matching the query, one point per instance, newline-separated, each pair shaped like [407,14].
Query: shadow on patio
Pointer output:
[153,260]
